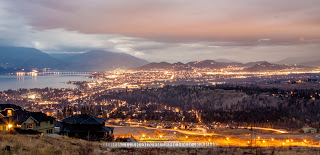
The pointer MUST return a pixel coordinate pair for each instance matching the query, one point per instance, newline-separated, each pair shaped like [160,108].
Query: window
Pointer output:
[9,113]
[51,122]
[29,126]
[49,131]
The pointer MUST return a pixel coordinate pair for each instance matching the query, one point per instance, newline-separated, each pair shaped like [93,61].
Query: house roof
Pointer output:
[37,116]
[84,119]
[40,117]
[102,129]
[21,115]
[7,106]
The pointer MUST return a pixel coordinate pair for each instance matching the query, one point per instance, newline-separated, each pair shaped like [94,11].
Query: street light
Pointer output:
[9,126]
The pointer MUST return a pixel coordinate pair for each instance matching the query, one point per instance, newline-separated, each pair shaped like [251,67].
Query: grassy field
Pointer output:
[29,144]
[59,145]
[220,151]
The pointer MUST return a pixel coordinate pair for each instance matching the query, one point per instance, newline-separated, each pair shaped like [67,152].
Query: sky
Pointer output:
[166,30]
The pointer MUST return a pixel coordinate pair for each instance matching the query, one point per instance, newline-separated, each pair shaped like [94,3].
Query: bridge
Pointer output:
[57,73]
[51,73]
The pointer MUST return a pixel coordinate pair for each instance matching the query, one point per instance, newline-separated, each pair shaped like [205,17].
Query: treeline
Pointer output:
[255,105]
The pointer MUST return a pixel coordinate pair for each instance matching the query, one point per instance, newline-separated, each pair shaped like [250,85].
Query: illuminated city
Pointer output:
[159,77]
[99,98]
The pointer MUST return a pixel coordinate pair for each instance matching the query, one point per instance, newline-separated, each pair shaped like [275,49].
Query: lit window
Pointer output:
[29,126]
[9,113]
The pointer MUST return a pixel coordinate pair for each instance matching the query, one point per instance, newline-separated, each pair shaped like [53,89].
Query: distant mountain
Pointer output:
[311,63]
[98,60]
[223,60]
[181,66]
[264,66]
[15,58]
[250,64]
[212,64]
[206,64]
[259,66]
[298,60]
[63,56]
[156,65]
[26,58]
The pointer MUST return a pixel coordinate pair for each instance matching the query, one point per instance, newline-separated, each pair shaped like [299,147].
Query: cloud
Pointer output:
[176,20]
[166,30]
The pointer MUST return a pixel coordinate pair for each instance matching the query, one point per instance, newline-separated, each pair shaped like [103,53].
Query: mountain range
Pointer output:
[258,66]
[307,61]
[98,60]
[17,58]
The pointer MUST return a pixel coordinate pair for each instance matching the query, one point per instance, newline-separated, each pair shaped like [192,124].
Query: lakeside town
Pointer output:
[153,106]
[172,77]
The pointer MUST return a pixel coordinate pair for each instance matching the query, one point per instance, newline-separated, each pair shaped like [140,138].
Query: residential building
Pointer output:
[15,119]
[307,129]
[87,127]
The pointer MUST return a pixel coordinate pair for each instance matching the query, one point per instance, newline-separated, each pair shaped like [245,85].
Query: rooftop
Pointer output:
[84,119]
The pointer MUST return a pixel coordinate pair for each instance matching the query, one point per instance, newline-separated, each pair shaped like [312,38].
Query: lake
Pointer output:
[41,81]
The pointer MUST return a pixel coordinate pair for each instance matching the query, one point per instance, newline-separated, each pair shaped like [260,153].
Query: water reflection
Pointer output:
[18,81]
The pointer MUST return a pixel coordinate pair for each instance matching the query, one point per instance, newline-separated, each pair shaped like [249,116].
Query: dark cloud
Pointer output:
[170,30]
[176,20]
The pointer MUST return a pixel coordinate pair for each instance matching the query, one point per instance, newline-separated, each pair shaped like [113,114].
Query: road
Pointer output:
[266,129]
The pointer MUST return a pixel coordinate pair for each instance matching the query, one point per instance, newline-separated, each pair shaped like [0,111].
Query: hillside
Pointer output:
[30,144]
[156,65]
[13,59]
[97,60]
[223,60]
[27,58]
[312,63]
[298,60]
[265,66]
[259,66]
[45,145]
[194,64]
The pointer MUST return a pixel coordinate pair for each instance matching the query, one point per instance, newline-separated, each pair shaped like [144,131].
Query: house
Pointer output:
[4,126]
[307,129]
[15,119]
[7,113]
[37,121]
[87,127]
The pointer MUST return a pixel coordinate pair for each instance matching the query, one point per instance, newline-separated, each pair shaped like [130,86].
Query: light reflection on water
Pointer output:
[54,81]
